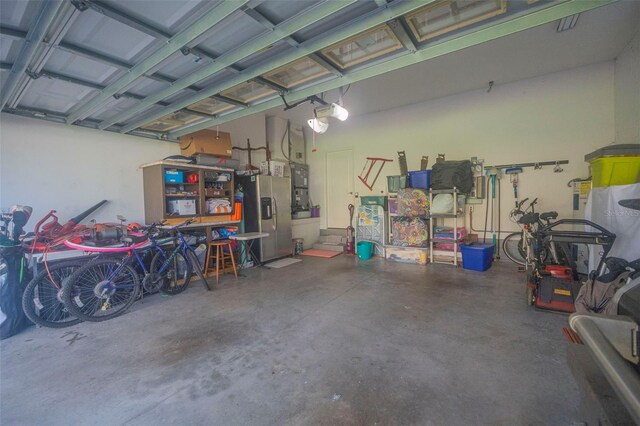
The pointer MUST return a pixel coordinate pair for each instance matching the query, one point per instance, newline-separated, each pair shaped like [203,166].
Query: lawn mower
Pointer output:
[555,287]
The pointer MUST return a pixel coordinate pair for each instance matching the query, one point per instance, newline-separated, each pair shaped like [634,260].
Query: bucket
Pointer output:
[365,249]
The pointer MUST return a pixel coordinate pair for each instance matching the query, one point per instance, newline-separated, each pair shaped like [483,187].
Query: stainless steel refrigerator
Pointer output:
[267,208]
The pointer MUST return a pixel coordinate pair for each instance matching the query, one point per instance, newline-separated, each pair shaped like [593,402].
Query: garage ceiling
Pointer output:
[162,68]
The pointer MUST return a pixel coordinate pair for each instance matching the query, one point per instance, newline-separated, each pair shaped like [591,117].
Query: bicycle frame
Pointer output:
[182,247]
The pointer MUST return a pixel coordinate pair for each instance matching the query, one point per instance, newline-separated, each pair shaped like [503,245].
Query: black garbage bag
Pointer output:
[449,174]
[14,276]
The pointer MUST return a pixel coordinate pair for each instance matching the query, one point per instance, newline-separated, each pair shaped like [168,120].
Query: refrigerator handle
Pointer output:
[275,212]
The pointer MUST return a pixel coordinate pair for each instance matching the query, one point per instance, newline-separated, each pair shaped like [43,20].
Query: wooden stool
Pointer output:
[215,252]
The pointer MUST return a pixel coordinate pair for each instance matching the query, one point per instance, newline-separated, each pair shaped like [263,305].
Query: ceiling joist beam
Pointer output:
[66,17]
[174,44]
[111,12]
[56,117]
[74,49]
[488,33]
[38,30]
[264,21]
[227,59]
[363,23]
[403,35]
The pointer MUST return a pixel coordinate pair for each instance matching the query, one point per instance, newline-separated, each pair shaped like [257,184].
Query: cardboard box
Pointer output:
[182,207]
[206,142]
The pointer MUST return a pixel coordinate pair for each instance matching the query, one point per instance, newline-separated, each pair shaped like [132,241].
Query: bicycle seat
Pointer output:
[529,218]
[635,265]
[547,216]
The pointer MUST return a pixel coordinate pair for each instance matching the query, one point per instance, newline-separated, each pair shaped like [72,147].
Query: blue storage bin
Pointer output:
[174,176]
[477,257]
[420,179]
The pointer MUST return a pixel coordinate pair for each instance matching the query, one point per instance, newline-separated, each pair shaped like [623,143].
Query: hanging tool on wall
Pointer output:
[557,168]
[493,183]
[424,162]
[369,165]
[513,173]
[402,161]
[249,149]
[351,231]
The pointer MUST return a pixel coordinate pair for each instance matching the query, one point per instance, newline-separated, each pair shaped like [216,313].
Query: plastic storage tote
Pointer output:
[607,171]
[395,183]
[365,249]
[374,201]
[174,176]
[615,165]
[420,179]
[477,257]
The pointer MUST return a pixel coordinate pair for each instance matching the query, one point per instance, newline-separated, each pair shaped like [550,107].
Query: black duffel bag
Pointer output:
[449,174]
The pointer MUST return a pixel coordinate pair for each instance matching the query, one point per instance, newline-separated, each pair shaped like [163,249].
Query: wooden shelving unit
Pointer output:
[158,193]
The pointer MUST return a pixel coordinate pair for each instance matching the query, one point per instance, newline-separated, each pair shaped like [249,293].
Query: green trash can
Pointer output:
[365,250]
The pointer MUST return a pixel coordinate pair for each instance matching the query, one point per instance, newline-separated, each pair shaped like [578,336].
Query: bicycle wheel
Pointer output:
[513,248]
[42,299]
[195,265]
[176,275]
[101,290]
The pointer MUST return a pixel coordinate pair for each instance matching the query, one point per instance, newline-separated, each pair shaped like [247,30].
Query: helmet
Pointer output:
[134,226]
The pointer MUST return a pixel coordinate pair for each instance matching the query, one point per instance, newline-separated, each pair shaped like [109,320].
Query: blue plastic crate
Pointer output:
[477,257]
[420,179]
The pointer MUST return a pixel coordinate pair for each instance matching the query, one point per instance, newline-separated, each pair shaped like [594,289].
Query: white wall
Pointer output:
[627,93]
[560,116]
[69,168]
[252,128]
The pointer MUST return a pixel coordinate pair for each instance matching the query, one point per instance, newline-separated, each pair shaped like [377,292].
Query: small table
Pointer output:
[246,245]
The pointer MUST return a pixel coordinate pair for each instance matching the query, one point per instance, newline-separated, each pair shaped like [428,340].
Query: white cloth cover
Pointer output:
[442,203]
[603,209]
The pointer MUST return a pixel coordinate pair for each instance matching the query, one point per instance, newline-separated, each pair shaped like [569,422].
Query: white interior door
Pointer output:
[339,187]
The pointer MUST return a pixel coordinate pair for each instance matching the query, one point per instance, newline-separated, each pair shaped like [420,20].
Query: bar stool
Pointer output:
[216,253]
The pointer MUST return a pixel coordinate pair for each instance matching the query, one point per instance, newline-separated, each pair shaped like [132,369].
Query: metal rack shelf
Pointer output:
[432,224]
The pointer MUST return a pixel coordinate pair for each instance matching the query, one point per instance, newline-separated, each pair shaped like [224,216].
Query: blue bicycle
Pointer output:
[106,288]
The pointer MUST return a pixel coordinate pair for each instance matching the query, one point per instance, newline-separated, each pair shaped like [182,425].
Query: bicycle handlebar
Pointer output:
[521,203]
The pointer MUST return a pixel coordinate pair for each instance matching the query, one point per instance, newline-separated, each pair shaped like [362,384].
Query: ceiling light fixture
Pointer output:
[567,23]
[318,125]
[322,114]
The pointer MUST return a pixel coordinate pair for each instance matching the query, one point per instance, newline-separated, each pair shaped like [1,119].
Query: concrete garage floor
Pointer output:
[325,341]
